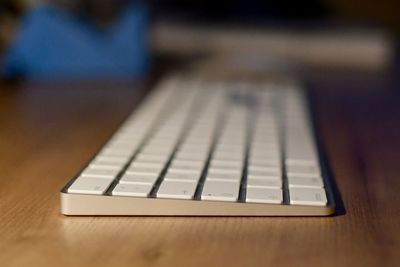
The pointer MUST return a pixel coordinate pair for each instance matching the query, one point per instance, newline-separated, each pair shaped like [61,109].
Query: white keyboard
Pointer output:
[208,148]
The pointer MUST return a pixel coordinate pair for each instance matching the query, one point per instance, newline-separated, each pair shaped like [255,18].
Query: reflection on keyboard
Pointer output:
[208,148]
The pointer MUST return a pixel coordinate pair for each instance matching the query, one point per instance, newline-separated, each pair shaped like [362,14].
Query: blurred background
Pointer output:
[96,39]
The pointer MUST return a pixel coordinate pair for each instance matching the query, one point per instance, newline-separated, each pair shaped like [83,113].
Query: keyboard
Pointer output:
[198,147]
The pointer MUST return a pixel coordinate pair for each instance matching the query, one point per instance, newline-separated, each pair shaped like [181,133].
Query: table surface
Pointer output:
[48,131]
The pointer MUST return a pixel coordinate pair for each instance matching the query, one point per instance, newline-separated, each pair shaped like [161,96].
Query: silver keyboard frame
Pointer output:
[108,205]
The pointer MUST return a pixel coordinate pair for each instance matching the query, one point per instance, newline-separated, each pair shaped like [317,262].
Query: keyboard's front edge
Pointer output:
[81,204]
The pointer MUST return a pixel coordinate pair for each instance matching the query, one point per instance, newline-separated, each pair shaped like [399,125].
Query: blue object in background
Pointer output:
[53,44]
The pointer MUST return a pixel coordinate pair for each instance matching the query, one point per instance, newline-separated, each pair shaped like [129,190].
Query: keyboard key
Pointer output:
[196,172]
[181,176]
[86,185]
[226,163]
[304,162]
[235,171]
[144,170]
[184,155]
[133,190]
[174,189]
[145,164]
[267,183]
[265,154]
[266,144]
[217,171]
[230,149]
[265,162]
[264,174]
[313,182]
[308,196]
[220,191]
[151,158]
[264,195]
[227,177]
[97,166]
[299,147]
[256,168]
[187,164]
[100,173]
[198,149]
[219,155]
[134,178]
[302,169]
[157,150]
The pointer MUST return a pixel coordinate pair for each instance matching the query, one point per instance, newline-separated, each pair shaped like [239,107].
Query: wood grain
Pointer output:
[47,132]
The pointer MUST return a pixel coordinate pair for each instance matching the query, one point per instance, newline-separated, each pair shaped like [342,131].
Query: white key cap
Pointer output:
[265,154]
[228,177]
[302,169]
[107,165]
[86,185]
[134,178]
[188,155]
[313,182]
[181,176]
[145,164]
[306,175]
[264,174]
[151,158]
[230,149]
[144,170]
[264,195]
[305,162]
[173,189]
[308,196]
[134,190]
[265,157]
[199,149]
[265,162]
[157,150]
[100,173]
[228,156]
[238,170]
[162,142]
[220,191]
[226,164]
[97,166]
[300,153]
[234,171]
[314,163]
[265,144]
[186,164]
[256,168]
[267,183]
[188,171]
[299,142]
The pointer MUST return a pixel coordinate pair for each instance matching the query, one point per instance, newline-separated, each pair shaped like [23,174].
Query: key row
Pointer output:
[224,191]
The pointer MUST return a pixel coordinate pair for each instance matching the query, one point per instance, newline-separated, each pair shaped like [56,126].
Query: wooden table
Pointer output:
[47,133]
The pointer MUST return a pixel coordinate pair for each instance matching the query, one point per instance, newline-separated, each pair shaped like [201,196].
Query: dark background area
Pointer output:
[315,14]
[375,13]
